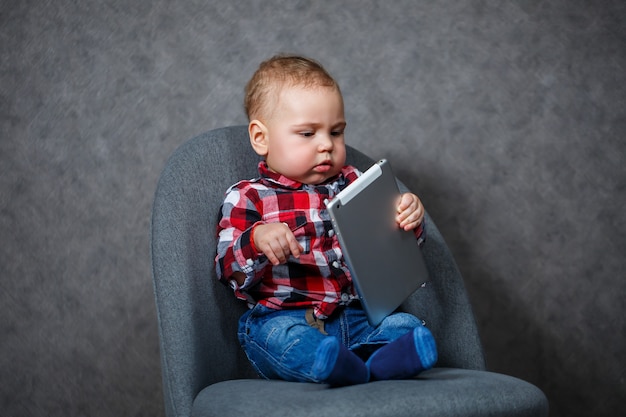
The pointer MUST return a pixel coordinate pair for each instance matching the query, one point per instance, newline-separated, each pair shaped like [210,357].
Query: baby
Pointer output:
[278,251]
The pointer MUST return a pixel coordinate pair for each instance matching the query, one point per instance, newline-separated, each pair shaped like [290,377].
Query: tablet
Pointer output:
[386,262]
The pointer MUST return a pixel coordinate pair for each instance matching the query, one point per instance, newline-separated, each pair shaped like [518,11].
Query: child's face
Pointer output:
[304,135]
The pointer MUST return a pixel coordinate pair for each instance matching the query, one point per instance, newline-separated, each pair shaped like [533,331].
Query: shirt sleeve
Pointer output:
[235,253]
[420,232]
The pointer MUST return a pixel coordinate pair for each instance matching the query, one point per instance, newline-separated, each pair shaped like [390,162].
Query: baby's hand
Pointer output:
[276,241]
[410,211]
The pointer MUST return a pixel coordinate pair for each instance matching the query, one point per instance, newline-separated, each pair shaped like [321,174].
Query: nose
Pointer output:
[325,143]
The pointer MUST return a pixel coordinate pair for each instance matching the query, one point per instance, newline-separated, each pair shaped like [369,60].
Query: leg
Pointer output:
[402,346]
[281,345]
[360,335]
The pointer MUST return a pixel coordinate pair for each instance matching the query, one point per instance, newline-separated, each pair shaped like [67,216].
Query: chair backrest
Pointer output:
[198,316]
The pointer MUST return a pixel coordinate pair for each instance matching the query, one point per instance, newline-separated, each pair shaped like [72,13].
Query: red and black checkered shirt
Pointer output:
[319,278]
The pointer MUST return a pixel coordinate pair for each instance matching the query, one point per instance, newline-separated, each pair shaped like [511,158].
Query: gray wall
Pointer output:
[508,118]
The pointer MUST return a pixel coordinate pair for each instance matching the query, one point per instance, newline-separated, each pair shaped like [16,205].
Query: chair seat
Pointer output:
[437,392]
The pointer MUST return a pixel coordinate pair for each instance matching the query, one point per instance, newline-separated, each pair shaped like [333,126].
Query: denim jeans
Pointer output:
[280,344]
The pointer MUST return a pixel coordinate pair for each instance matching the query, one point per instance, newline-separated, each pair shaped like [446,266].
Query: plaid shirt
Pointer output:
[319,278]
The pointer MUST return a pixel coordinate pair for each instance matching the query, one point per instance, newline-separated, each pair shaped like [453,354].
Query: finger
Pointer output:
[406,222]
[405,214]
[420,214]
[274,251]
[294,247]
[409,225]
[405,201]
[288,246]
[412,220]
[280,257]
[271,257]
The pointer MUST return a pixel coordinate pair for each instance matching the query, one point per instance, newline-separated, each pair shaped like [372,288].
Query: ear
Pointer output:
[258,137]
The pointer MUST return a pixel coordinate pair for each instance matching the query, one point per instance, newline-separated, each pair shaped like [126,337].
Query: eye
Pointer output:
[307,134]
[336,133]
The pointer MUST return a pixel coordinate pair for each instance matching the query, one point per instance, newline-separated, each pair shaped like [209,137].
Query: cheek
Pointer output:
[340,154]
[284,152]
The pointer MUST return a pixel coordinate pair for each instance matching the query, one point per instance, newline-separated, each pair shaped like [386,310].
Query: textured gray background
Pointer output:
[508,118]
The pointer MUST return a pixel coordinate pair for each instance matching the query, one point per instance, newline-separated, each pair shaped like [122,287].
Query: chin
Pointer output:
[325,179]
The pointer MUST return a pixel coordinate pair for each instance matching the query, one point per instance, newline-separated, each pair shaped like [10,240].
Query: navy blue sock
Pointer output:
[336,365]
[404,357]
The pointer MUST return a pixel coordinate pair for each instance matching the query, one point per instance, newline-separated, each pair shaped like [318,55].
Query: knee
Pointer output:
[402,322]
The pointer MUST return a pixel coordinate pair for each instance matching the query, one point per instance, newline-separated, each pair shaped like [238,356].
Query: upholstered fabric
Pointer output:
[198,315]
[439,392]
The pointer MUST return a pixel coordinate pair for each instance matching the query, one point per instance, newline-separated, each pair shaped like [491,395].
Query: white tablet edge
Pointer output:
[360,183]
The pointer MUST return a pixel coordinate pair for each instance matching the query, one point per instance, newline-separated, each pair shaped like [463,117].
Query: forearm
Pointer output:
[236,258]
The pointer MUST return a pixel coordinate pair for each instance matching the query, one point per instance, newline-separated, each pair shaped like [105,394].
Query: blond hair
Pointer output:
[278,72]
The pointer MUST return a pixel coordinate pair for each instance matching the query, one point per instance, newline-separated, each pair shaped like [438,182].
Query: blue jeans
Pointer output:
[280,344]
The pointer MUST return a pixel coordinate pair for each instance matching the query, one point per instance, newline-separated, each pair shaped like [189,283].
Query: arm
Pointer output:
[237,258]
[243,238]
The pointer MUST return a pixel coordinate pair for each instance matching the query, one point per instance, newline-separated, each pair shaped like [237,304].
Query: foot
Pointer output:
[336,365]
[405,357]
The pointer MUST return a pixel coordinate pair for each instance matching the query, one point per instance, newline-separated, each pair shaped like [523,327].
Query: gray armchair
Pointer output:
[205,372]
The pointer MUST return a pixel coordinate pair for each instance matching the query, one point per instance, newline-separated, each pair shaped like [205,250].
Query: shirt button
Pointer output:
[249,262]
[335,264]
[345,297]
[331,233]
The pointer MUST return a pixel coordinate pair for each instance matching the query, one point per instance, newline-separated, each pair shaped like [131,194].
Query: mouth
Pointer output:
[325,166]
